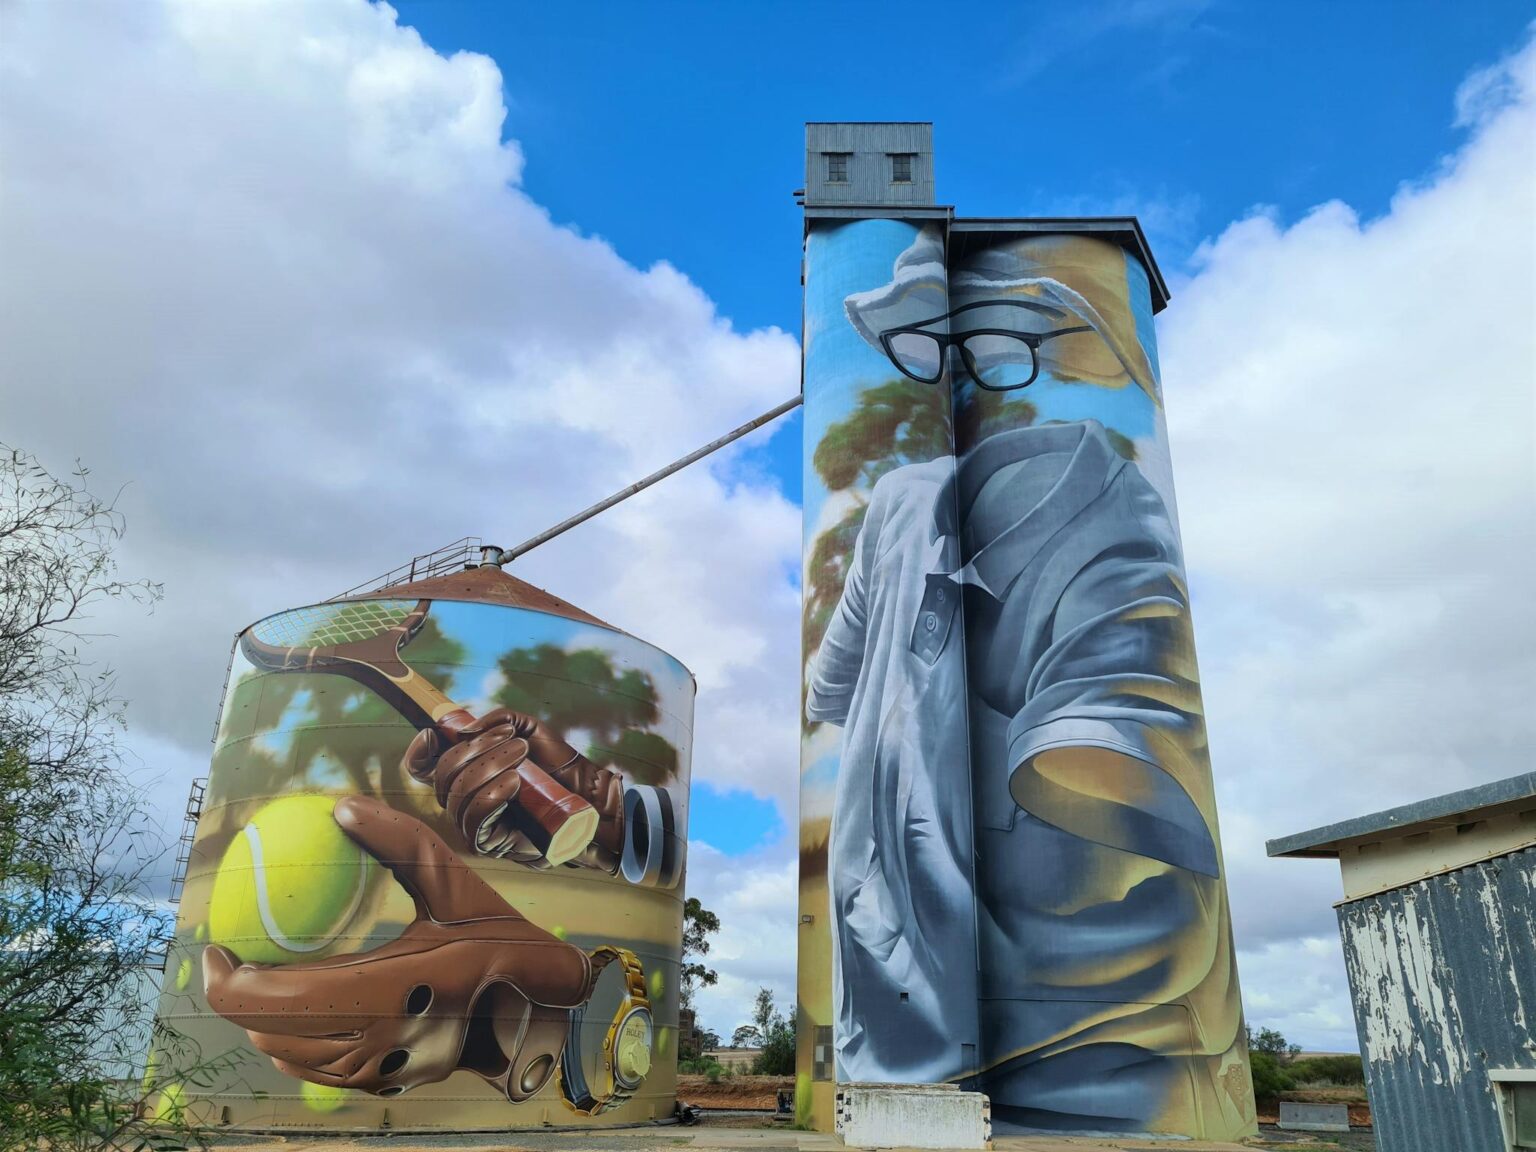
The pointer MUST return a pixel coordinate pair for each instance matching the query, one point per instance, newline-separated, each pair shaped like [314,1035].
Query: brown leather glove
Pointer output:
[493,784]
[471,984]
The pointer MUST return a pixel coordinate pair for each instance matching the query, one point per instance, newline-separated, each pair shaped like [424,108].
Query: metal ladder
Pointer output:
[194,810]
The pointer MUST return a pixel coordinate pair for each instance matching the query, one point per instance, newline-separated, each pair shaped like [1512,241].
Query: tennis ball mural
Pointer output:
[169,1105]
[289,883]
[322,1097]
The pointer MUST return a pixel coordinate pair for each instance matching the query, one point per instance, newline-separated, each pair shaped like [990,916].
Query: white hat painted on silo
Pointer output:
[918,291]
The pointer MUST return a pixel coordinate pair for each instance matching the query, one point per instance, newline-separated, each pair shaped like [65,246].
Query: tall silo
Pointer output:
[1010,870]
[437,881]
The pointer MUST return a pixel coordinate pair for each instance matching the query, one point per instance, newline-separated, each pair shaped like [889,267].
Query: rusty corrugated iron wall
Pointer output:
[1443,974]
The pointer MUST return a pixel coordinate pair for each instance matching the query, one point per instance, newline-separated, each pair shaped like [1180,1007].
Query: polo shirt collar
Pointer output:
[1093,463]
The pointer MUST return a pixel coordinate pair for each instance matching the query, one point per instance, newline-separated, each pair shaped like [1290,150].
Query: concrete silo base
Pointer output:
[912,1116]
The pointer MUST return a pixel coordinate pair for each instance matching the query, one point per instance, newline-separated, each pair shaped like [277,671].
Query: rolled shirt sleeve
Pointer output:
[1116,674]
[835,668]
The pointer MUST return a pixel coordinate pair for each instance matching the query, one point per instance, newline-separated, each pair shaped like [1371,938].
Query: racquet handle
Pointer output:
[560,823]
[451,727]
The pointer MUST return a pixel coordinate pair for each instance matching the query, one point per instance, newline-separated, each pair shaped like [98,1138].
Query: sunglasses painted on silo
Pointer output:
[998,359]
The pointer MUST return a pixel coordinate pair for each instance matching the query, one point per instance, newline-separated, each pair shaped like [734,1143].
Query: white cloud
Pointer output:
[755,898]
[1352,409]
[269,265]
[1299,987]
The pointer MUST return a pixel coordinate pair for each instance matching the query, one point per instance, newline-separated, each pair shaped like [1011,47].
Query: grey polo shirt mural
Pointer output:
[1038,580]
[899,860]
[1074,572]
[899,855]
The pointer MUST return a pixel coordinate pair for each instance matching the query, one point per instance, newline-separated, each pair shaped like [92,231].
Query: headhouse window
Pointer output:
[837,167]
[901,167]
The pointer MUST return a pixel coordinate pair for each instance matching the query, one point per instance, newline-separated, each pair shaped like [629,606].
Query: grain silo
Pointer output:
[437,878]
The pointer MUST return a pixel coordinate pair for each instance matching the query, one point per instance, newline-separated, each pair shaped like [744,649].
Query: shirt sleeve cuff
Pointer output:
[1128,736]
[823,707]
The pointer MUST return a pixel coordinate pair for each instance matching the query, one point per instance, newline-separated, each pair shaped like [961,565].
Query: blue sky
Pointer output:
[675,130]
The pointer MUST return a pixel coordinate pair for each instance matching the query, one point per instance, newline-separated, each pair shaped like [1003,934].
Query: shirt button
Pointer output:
[930,622]
[940,592]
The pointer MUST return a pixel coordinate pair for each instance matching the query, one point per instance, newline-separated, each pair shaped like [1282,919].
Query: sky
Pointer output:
[323,285]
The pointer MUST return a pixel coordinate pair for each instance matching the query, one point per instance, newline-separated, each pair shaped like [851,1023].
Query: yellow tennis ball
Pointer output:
[289,883]
[169,1106]
[322,1097]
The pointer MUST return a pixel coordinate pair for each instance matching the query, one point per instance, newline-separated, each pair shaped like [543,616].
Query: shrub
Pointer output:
[1344,1071]
[701,1066]
[777,1036]
[1270,1077]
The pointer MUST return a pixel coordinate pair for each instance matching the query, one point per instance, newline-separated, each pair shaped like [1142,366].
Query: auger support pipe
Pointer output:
[586,514]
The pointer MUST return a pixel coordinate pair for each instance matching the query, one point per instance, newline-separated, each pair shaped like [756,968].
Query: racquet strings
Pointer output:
[333,625]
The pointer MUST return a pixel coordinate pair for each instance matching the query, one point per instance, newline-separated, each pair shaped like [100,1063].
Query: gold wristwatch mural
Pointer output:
[626,1047]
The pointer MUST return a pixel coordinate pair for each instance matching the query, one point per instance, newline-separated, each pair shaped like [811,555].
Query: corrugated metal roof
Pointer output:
[1453,808]
[484,585]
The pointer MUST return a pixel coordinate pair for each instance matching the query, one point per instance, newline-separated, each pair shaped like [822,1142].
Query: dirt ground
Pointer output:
[736,1117]
[1355,1140]
[733,1092]
[728,1131]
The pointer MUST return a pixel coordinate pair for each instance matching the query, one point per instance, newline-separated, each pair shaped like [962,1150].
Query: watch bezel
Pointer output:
[631,1011]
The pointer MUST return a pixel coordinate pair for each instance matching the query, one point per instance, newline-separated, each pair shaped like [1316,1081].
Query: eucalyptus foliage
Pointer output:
[80,934]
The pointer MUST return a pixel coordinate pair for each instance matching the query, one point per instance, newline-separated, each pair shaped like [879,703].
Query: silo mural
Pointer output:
[885,804]
[1005,779]
[437,881]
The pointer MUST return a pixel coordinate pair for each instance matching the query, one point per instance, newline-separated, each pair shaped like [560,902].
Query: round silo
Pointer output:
[437,879]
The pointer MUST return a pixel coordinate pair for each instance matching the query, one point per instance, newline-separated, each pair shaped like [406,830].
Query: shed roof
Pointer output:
[1470,804]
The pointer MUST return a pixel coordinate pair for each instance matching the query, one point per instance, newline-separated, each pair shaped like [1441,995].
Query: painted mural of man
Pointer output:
[1050,566]
[900,852]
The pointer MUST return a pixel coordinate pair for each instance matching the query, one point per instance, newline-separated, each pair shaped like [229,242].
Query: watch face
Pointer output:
[632,1049]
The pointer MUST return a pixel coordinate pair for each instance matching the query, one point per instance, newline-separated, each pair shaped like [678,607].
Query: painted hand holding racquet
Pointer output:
[482,781]
[508,798]
[470,985]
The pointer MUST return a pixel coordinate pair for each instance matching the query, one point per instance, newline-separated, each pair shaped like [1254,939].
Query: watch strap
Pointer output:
[574,1089]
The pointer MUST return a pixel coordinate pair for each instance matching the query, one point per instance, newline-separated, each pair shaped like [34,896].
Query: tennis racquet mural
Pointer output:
[363,641]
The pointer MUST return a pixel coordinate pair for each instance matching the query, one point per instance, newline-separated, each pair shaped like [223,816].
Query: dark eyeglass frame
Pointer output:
[947,341]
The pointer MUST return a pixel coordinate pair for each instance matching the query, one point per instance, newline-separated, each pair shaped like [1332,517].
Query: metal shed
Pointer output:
[1438,923]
